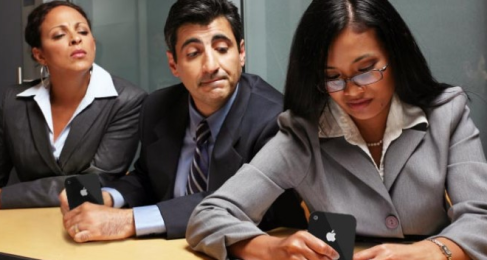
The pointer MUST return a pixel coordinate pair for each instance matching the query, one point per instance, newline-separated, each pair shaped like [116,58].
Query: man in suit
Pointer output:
[175,171]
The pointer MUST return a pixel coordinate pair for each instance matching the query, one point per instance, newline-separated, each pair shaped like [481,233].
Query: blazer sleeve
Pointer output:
[231,213]
[112,158]
[5,160]
[466,183]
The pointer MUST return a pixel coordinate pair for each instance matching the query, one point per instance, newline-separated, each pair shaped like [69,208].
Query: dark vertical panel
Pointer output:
[11,43]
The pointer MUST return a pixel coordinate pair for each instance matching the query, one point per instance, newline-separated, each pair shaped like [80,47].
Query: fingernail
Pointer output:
[336,256]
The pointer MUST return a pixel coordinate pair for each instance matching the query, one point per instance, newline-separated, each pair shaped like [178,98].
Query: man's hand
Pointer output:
[91,222]
[63,199]
[301,245]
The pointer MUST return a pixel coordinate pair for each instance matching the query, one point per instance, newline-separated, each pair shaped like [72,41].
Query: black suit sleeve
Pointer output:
[176,213]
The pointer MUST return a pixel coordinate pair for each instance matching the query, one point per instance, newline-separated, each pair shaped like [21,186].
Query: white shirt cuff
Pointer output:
[148,220]
[117,197]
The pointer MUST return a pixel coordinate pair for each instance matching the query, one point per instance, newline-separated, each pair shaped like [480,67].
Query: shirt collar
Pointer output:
[215,121]
[100,86]
[334,122]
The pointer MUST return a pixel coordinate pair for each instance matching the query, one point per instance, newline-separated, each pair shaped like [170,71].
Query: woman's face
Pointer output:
[353,53]
[67,44]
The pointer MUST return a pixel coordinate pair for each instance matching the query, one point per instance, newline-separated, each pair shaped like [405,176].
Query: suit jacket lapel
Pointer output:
[39,130]
[225,160]
[80,126]
[399,152]
[355,161]
[167,149]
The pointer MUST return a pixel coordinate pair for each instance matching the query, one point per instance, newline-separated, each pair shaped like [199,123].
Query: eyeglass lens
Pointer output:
[366,78]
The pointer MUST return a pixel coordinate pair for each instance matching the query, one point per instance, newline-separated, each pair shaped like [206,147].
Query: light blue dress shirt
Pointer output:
[100,86]
[148,219]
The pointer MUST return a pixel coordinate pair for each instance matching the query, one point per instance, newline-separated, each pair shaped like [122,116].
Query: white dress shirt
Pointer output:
[334,122]
[100,86]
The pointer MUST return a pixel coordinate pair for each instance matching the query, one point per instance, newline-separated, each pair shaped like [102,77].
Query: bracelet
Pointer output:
[444,249]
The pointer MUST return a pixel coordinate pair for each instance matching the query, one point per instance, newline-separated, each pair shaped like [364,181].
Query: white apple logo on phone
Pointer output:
[330,236]
[83,192]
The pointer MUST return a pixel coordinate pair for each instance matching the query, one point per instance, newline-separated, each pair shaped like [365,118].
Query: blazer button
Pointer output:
[392,222]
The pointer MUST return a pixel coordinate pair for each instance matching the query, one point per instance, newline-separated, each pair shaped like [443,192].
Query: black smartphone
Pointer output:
[82,188]
[337,230]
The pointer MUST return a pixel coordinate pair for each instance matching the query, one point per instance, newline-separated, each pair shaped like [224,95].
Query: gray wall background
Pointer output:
[452,35]
[130,42]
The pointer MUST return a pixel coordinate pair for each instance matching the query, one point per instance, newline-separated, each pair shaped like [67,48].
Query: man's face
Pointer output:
[208,63]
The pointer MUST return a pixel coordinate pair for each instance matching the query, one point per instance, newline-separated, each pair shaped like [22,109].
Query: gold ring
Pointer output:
[76,229]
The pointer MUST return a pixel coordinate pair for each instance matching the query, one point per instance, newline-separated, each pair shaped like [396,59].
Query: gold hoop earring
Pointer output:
[44,74]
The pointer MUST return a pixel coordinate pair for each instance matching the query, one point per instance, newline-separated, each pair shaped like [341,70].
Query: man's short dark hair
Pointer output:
[201,12]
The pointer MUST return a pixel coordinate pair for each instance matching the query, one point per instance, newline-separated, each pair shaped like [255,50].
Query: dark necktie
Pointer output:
[198,174]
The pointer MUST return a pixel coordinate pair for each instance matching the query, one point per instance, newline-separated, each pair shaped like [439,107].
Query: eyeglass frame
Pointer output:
[381,71]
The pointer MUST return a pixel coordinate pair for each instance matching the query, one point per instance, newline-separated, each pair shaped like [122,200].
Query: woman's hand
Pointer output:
[420,250]
[300,246]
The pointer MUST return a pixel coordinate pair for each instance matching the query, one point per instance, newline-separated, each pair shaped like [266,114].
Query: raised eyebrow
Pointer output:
[189,41]
[219,37]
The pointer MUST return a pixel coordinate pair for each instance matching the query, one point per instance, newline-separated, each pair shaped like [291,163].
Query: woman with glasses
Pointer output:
[367,131]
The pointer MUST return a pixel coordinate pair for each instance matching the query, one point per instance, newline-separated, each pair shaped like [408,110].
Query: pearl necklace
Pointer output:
[374,144]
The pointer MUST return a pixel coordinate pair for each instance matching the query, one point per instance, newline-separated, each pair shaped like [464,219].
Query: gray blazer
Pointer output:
[103,139]
[332,175]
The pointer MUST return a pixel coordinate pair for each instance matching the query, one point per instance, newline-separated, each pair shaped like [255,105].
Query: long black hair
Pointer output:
[320,25]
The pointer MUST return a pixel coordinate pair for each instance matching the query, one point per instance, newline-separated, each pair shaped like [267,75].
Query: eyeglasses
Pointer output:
[362,79]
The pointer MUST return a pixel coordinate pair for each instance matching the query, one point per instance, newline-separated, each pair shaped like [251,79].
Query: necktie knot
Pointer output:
[202,132]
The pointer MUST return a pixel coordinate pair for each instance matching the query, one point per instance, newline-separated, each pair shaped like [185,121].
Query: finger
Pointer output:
[313,255]
[72,217]
[63,202]
[68,220]
[82,236]
[320,247]
[72,230]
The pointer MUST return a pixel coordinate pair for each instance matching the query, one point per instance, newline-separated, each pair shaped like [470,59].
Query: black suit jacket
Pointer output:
[102,139]
[249,124]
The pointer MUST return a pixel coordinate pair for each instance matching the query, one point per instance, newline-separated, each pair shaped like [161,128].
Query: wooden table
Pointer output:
[39,233]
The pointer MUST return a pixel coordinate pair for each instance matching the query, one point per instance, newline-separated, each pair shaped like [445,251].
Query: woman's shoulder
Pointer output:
[126,89]
[448,107]
[298,128]
[449,94]
[9,93]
